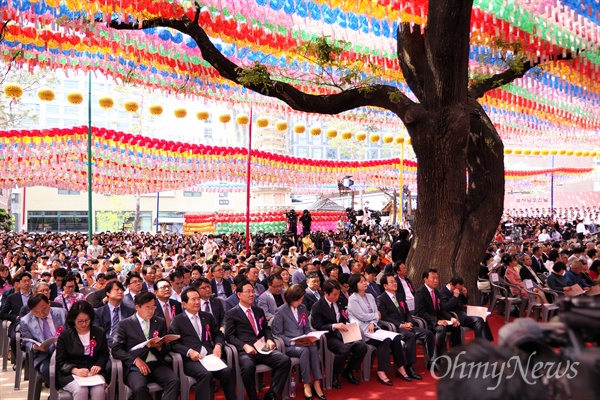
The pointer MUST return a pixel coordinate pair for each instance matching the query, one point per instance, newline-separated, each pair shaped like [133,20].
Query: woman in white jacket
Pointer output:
[362,309]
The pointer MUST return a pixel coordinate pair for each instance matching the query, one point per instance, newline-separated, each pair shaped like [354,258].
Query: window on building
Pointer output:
[208,133]
[57,221]
[68,192]
[189,193]
[374,154]
[303,151]
[71,110]
[71,84]
[52,109]
[331,154]
[317,153]
[52,122]
[71,122]
[223,194]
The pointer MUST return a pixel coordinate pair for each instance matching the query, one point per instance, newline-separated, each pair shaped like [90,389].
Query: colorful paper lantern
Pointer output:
[225,118]
[388,139]
[315,130]
[180,112]
[299,128]
[374,138]
[578,153]
[155,109]
[202,115]
[281,125]
[526,152]
[508,151]
[346,135]
[75,98]
[569,152]
[331,133]
[242,119]
[131,106]
[399,139]
[46,94]
[262,122]
[13,90]
[562,152]
[545,152]
[585,153]
[518,152]
[553,152]
[408,142]
[535,152]
[361,136]
[593,153]
[106,102]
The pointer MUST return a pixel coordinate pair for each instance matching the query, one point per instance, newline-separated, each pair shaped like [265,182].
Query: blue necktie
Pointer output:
[47,333]
[114,322]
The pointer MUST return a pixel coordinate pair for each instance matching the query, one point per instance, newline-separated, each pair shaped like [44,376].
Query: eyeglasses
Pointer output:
[70,287]
[248,291]
[164,288]
[82,321]
[148,308]
[204,288]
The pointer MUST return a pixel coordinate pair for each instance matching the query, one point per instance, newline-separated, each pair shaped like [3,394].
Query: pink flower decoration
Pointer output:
[172,311]
[59,330]
[155,334]
[208,336]
[302,321]
[91,347]
[260,321]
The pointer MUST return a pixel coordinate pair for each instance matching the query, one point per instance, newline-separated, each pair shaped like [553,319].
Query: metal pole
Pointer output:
[552,189]
[248,179]
[24,217]
[157,208]
[89,160]
[401,219]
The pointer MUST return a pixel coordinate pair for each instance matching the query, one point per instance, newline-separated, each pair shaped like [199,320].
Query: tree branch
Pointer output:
[383,96]
[478,89]
[412,57]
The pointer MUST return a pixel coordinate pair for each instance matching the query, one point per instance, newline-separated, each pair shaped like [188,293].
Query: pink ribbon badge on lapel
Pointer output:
[260,322]
[59,330]
[344,314]
[302,321]
[438,300]
[155,334]
[91,347]
[403,306]
[173,311]
[207,336]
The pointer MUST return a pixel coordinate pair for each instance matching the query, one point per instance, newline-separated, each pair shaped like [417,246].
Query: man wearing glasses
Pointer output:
[147,364]
[244,326]
[210,304]
[134,287]
[166,307]
[220,287]
[109,315]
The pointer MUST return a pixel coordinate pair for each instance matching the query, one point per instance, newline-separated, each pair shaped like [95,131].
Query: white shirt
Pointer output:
[245,310]
[176,296]
[335,307]
[295,312]
[150,356]
[408,295]
[203,305]
[197,326]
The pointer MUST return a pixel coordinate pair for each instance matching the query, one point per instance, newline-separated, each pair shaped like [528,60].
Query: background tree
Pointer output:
[5,220]
[460,155]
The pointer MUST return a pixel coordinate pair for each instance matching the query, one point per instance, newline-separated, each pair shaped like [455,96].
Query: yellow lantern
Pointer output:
[281,125]
[315,130]
[569,152]
[408,142]
[225,118]
[526,152]
[562,152]
[131,106]
[508,151]
[106,102]
[360,136]
[155,109]
[13,90]
[544,152]
[553,152]
[331,133]
[399,139]
[262,122]
[75,98]
[388,139]
[374,138]
[180,112]
[585,153]
[593,153]
[202,115]
[535,152]
[46,94]
[578,153]
[518,152]
[242,119]
[299,128]
[346,135]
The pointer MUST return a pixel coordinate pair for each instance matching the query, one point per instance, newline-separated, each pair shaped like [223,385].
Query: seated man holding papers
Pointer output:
[289,323]
[201,337]
[146,363]
[247,329]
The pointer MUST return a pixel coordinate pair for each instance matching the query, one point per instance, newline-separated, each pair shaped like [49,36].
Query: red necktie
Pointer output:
[167,315]
[433,300]
[251,318]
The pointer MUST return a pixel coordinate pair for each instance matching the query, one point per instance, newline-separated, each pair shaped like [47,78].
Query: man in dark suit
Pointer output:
[454,299]
[109,315]
[166,307]
[147,364]
[220,287]
[200,336]
[244,325]
[537,262]
[406,289]
[328,315]
[527,272]
[313,290]
[149,275]
[56,287]
[394,310]
[401,248]
[97,299]
[11,308]
[373,287]
[210,304]
[428,306]
[134,287]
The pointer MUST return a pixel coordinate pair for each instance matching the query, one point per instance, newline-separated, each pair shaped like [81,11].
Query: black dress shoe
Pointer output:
[347,374]
[407,378]
[270,396]
[316,395]
[335,383]
[307,397]
[386,383]
[413,374]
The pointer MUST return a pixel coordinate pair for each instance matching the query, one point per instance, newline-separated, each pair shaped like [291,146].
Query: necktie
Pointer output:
[199,332]
[395,300]
[114,321]
[433,300]
[150,357]
[334,313]
[167,313]
[251,318]
[317,295]
[46,329]
[207,307]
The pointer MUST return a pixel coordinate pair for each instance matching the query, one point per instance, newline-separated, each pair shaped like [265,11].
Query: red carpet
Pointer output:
[415,390]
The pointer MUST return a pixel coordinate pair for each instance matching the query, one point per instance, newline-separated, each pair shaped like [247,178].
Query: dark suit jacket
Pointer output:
[96,298]
[238,330]
[524,273]
[226,287]
[175,307]
[129,334]
[310,299]
[53,290]
[11,309]
[374,289]
[537,266]
[70,354]
[218,311]
[323,316]
[400,250]
[400,289]
[391,313]
[454,304]
[424,307]
[129,301]
[104,318]
[181,325]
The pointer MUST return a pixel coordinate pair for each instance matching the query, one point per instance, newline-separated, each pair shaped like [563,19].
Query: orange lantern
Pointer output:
[535,152]
[346,135]
[281,125]
[243,119]
[374,138]
[131,106]
[526,152]
[106,102]
[508,151]
[361,136]
[75,98]
[331,133]
[561,152]
[155,109]
[399,139]
[315,130]
[299,128]
[518,152]
[262,122]
[46,94]
[180,112]
[388,139]
[202,115]
[13,90]
[225,118]
[569,152]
